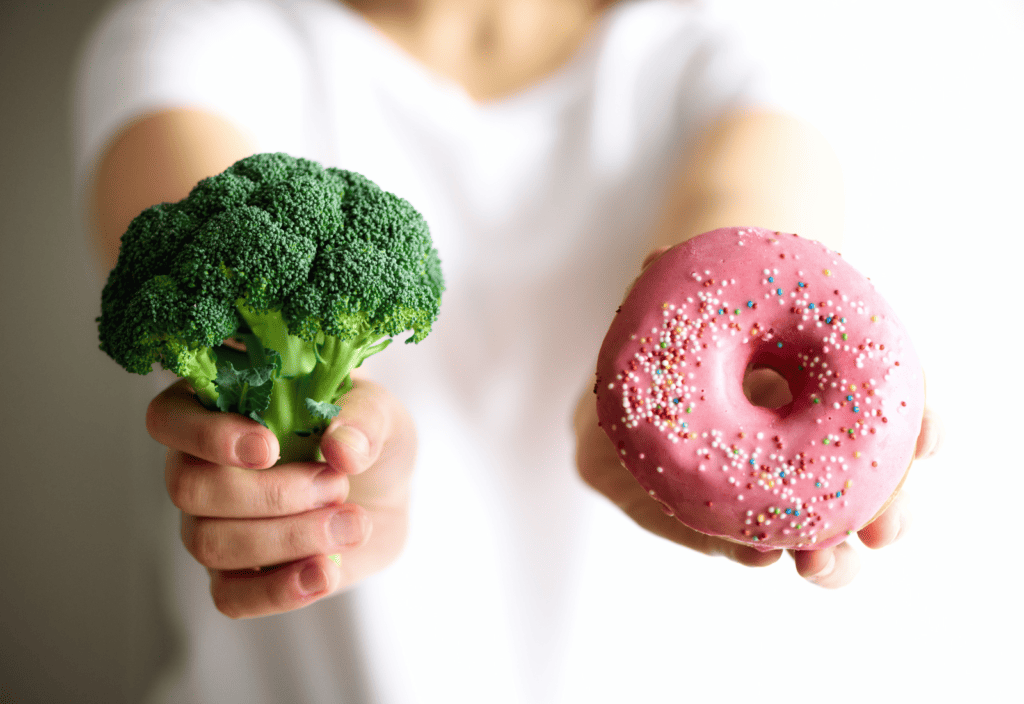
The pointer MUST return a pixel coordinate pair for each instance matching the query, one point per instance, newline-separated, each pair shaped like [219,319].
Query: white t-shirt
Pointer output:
[540,206]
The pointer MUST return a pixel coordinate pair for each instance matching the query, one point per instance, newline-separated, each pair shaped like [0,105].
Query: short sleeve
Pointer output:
[239,59]
[666,72]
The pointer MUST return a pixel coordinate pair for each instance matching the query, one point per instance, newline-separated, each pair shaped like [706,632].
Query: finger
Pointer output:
[233,544]
[249,594]
[599,466]
[200,488]
[892,524]
[930,438]
[176,419]
[653,256]
[830,568]
[354,440]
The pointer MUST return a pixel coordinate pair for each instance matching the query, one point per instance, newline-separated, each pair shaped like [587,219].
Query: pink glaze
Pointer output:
[669,389]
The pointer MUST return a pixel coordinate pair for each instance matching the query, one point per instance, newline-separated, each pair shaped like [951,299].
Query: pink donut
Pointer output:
[670,390]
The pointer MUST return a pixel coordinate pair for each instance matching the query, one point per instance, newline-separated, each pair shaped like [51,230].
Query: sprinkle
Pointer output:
[801,284]
[779,344]
[874,318]
[826,272]
[778,291]
[750,304]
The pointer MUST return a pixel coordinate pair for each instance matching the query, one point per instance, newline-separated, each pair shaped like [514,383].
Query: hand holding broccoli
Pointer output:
[292,515]
[309,270]
[263,290]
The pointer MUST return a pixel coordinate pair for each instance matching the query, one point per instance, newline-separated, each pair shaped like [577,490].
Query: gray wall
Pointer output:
[71,435]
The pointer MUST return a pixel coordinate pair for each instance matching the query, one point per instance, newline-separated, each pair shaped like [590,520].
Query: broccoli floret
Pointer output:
[310,270]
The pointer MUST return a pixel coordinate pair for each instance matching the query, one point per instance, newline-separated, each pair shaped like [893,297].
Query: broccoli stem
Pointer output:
[320,371]
[298,355]
[336,358]
[200,374]
[287,417]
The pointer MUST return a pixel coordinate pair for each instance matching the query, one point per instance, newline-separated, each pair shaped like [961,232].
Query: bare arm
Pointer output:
[353,504]
[760,169]
[157,159]
[757,169]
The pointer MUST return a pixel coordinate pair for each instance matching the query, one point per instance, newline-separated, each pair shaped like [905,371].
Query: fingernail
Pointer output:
[252,450]
[825,571]
[347,528]
[354,439]
[312,580]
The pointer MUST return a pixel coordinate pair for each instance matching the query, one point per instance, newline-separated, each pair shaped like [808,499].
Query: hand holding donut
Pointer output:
[762,397]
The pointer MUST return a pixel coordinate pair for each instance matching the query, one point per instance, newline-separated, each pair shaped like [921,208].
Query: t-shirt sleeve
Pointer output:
[667,72]
[238,59]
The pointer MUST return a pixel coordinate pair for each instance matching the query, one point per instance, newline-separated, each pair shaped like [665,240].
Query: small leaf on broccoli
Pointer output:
[244,391]
[321,410]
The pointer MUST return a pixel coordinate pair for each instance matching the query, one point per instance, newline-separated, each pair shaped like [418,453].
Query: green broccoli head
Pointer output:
[312,268]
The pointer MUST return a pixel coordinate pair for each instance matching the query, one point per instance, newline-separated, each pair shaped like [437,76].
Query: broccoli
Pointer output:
[267,286]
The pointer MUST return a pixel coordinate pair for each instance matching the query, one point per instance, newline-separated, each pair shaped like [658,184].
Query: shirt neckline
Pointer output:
[552,92]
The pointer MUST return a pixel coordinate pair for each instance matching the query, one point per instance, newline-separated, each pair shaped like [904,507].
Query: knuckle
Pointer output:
[184,491]
[223,599]
[295,540]
[279,597]
[203,544]
[205,441]
[154,417]
[275,499]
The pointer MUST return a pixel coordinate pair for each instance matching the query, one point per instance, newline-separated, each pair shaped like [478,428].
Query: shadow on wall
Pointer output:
[77,464]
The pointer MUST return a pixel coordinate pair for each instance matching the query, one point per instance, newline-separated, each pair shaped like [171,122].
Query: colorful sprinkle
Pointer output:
[664,377]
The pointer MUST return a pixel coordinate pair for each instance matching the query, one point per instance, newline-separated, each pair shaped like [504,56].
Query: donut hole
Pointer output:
[766,387]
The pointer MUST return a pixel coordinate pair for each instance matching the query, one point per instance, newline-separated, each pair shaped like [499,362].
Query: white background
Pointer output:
[923,102]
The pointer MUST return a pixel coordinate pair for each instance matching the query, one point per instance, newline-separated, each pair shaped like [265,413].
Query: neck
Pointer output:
[493,48]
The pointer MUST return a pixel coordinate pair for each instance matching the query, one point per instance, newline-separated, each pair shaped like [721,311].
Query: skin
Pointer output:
[355,503]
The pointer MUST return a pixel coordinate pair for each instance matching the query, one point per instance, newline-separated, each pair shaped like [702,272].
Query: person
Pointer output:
[551,144]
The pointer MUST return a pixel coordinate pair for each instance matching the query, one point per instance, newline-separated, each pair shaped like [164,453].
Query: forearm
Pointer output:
[157,159]
[760,169]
